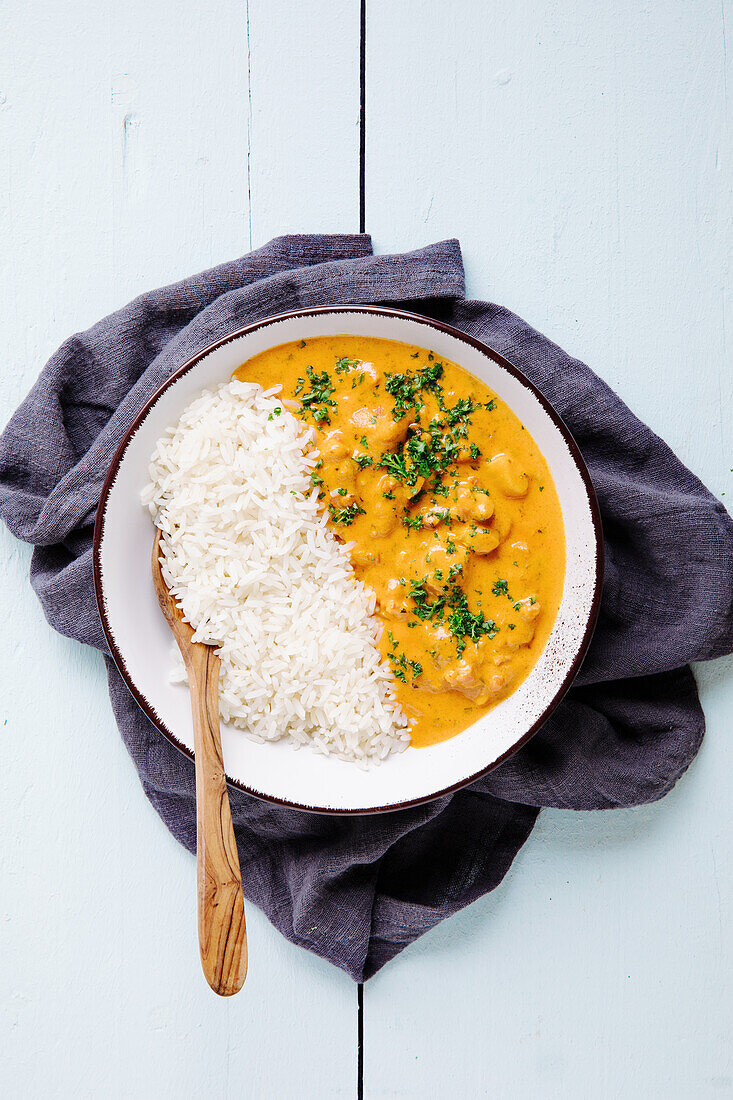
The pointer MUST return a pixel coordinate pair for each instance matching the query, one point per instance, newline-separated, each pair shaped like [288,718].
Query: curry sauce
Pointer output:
[450,510]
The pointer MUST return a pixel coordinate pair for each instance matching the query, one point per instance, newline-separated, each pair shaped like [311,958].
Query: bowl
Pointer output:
[140,641]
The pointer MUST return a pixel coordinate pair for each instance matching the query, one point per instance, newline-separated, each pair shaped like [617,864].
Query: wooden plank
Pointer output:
[578,151]
[125,164]
[305,117]
[101,992]
[178,117]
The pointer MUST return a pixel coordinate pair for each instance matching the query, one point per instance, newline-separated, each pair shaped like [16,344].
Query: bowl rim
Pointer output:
[463,337]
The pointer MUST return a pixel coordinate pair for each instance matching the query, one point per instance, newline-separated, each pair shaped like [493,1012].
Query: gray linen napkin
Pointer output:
[357,891]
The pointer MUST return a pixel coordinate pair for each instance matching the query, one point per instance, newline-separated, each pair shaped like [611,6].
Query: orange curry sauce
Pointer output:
[449,504]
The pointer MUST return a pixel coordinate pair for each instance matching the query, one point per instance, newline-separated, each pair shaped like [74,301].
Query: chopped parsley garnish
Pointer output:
[465,624]
[343,366]
[415,522]
[401,664]
[403,389]
[460,412]
[362,461]
[474,451]
[395,465]
[423,608]
[407,387]
[345,516]
[426,455]
[500,588]
[318,401]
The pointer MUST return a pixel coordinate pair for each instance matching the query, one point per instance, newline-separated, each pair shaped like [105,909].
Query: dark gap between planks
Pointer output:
[362,117]
[360,1042]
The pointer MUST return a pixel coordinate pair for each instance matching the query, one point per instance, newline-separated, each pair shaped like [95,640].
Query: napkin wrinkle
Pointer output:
[635,738]
[357,890]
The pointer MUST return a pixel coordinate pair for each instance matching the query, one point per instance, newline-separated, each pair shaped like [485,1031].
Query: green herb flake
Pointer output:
[464,623]
[460,412]
[401,665]
[344,517]
[343,365]
[318,401]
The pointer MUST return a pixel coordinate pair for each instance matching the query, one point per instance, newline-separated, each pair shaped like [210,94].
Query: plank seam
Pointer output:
[362,117]
[360,1041]
[249,125]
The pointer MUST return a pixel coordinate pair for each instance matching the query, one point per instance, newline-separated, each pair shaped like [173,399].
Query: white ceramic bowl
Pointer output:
[140,641]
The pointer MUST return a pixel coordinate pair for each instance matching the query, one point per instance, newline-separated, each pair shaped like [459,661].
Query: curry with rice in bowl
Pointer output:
[448,510]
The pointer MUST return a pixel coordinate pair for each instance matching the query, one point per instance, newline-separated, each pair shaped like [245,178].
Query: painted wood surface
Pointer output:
[582,153]
[124,159]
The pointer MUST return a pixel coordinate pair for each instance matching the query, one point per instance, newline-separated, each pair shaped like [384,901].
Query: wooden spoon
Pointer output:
[222,931]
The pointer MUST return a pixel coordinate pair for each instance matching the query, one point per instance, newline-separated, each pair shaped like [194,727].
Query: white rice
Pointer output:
[257,572]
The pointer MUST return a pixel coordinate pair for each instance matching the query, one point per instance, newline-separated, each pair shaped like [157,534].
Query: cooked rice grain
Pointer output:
[257,572]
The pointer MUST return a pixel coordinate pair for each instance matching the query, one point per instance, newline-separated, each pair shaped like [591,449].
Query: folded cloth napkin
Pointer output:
[358,890]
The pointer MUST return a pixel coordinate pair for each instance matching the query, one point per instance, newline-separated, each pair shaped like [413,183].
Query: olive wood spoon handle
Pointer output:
[222,931]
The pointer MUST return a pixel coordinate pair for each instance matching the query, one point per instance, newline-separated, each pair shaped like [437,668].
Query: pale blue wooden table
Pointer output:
[582,153]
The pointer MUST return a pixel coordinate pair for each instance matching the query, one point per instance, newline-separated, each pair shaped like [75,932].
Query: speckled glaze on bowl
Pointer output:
[141,643]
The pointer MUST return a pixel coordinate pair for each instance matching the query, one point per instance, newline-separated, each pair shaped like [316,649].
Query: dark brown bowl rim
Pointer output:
[381,311]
